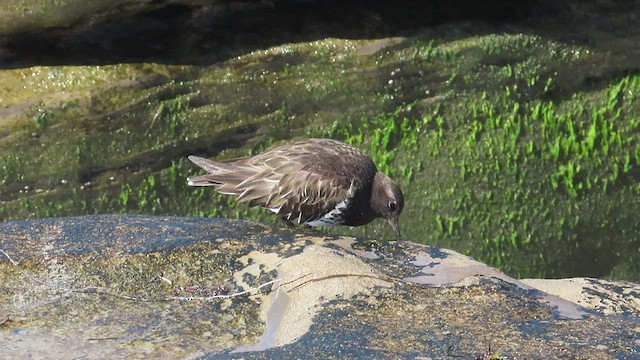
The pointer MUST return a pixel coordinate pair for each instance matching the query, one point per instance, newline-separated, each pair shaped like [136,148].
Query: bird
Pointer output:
[314,182]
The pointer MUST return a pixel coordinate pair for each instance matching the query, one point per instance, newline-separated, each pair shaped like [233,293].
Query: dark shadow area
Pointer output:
[196,34]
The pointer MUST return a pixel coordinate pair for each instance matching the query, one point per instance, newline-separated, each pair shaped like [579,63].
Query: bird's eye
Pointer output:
[392,206]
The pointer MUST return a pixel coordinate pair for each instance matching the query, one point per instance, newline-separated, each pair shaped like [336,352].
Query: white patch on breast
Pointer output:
[333,217]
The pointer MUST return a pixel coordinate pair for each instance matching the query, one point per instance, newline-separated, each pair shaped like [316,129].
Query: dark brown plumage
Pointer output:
[317,182]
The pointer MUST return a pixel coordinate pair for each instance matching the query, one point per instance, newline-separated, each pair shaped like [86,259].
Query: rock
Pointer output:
[115,286]
[607,297]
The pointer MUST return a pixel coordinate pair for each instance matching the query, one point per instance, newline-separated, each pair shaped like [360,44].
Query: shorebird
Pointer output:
[315,182]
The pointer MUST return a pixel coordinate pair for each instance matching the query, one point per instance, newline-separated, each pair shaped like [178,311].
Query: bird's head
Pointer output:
[387,200]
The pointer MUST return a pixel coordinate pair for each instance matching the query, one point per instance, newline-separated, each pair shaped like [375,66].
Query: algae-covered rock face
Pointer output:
[24,15]
[168,287]
[514,143]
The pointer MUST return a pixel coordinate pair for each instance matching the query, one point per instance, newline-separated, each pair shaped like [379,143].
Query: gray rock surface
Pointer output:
[167,287]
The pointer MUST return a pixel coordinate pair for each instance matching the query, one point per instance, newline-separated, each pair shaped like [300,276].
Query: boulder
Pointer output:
[127,286]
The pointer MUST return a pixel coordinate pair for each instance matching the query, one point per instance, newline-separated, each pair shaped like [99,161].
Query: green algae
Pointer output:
[25,15]
[502,150]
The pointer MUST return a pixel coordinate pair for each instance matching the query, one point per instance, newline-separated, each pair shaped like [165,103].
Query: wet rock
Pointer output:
[166,287]
[36,32]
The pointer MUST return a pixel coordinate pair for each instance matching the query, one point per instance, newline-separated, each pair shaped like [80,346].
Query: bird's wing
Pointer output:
[305,196]
[304,181]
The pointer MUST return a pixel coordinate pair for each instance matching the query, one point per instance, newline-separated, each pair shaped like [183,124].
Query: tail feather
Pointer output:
[210,166]
[202,180]
[219,173]
[226,176]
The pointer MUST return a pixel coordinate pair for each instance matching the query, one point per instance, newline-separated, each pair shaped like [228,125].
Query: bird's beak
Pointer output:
[395,225]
